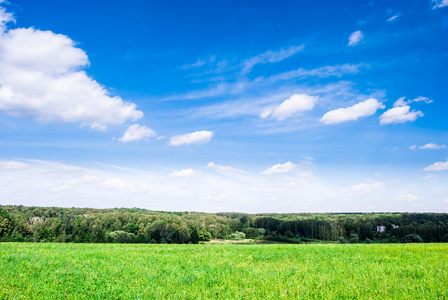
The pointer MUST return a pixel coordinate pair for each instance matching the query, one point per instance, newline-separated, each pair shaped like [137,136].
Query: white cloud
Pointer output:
[5,17]
[61,188]
[243,84]
[432,146]
[413,147]
[292,106]
[198,137]
[402,101]
[352,113]
[446,200]
[322,72]
[421,99]
[438,166]
[13,165]
[199,63]
[223,169]
[364,188]
[46,183]
[399,114]
[392,18]
[280,168]
[439,3]
[406,198]
[136,133]
[270,57]
[41,77]
[355,38]
[184,173]
[116,183]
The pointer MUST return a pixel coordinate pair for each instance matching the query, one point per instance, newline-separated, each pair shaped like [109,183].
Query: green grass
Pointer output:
[111,271]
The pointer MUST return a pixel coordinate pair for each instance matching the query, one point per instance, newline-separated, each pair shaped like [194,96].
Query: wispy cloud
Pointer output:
[402,101]
[355,38]
[321,72]
[395,17]
[280,168]
[243,84]
[406,198]
[5,17]
[439,3]
[270,57]
[223,169]
[13,165]
[199,63]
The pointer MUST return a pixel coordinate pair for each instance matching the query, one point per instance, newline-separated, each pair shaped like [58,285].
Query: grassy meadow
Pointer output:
[141,271]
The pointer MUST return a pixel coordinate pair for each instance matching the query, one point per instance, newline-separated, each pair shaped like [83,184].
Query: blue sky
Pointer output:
[298,106]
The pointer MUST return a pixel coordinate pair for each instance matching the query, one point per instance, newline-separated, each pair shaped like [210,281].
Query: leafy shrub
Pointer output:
[289,234]
[393,239]
[354,238]
[412,238]
[237,236]
[120,237]
[368,241]
[445,238]
[251,233]
[342,240]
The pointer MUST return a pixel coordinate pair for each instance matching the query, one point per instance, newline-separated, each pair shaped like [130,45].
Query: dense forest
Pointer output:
[133,225]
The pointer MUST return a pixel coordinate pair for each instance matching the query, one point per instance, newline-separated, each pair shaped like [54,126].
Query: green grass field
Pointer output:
[120,271]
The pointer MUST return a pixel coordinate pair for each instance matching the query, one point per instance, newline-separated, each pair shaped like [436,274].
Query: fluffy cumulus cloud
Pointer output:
[432,146]
[136,133]
[270,57]
[355,38]
[352,113]
[292,106]
[198,137]
[438,166]
[42,77]
[439,3]
[280,168]
[401,112]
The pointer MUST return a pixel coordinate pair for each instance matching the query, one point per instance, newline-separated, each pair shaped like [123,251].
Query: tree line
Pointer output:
[133,225]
